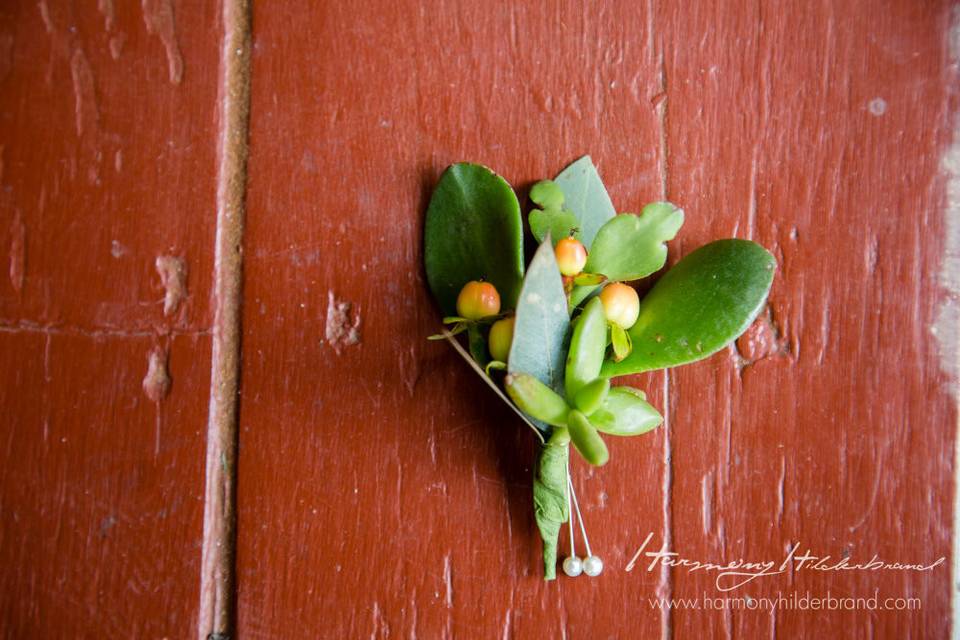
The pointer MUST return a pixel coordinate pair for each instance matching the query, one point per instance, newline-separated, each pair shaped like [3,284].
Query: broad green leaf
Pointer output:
[473,231]
[625,412]
[541,325]
[587,346]
[586,439]
[586,197]
[630,247]
[699,306]
[550,502]
[536,399]
[591,395]
[556,222]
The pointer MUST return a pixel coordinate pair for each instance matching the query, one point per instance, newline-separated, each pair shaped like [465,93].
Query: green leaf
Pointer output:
[586,197]
[581,293]
[542,324]
[556,222]
[625,412]
[587,347]
[547,194]
[477,342]
[473,231]
[550,504]
[699,306]
[620,340]
[629,247]
[589,279]
[591,395]
[536,399]
[586,439]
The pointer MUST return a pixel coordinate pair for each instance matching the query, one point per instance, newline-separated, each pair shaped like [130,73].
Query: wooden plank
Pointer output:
[382,487]
[819,134]
[107,121]
[805,128]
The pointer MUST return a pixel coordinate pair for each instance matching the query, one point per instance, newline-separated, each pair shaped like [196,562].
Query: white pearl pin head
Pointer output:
[592,566]
[572,566]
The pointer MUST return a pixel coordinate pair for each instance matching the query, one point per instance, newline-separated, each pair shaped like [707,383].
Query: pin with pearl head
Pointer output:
[573,566]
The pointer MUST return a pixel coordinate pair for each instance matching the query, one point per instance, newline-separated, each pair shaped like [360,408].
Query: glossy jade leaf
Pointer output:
[630,247]
[587,346]
[473,231]
[586,439]
[536,399]
[541,325]
[585,195]
[699,306]
[625,412]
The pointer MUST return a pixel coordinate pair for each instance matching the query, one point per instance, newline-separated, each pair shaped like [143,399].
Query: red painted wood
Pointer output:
[107,165]
[383,491]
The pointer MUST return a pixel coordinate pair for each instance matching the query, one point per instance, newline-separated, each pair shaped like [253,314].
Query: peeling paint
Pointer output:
[343,324]
[159,20]
[18,252]
[85,99]
[116,45]
[156,384]
[173,277]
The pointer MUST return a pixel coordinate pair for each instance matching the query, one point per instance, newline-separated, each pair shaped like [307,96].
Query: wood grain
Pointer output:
[106,194]
[382,490]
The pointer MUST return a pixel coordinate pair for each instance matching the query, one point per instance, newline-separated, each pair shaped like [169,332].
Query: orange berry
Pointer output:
[478,300]
[571,256]
[621,304]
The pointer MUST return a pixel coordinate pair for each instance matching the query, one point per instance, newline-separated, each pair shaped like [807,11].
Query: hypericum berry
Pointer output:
[478,300]
[500,339]
[621,304]
[571,256]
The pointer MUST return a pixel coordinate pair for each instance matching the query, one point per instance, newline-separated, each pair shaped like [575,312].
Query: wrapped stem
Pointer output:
[550,503]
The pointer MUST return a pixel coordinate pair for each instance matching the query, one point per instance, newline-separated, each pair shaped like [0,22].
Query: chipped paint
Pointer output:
[18,252]
[159,20]
[343,324]
[87,112]
[173,277]
[156,384]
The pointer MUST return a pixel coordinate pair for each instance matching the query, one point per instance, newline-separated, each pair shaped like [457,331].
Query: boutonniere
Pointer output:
[551,337]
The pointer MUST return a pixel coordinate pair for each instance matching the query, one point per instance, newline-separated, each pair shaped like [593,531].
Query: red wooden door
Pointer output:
[376,487]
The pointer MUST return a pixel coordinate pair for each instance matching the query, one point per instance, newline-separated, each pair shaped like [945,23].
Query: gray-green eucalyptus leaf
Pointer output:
[542,324]
[586,197]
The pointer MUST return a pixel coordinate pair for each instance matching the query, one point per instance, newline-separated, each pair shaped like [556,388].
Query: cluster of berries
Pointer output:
[480,300]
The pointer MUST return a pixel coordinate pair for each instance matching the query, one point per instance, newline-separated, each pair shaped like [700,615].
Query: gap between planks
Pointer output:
[217,569]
